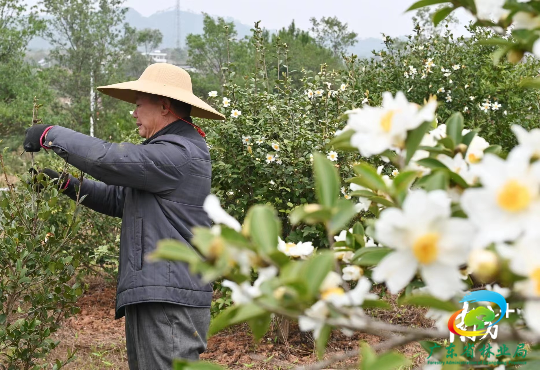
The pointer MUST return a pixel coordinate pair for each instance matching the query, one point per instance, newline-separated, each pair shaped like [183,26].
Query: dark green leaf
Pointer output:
[370,256]
[264,228]
[342,214]
[315,270]
[326,180]
[369,176]
[428,301]
[441,14]
[414,138]
[454,127]
[424,3]
[431,163]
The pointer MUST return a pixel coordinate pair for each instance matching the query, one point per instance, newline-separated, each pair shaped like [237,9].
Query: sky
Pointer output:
[369,18]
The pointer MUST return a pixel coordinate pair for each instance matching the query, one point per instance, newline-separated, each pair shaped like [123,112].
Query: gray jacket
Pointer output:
[158,189]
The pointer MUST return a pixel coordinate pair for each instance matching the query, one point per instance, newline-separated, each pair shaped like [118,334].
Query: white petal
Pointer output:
[396,269]
[441,280]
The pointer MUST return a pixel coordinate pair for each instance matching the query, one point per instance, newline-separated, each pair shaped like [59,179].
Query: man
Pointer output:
[158,189]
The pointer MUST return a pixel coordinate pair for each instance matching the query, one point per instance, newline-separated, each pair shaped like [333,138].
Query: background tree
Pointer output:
[149,39]
[88,51]
[331,33]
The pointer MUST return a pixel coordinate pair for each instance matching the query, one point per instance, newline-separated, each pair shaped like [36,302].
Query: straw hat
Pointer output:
[167,80]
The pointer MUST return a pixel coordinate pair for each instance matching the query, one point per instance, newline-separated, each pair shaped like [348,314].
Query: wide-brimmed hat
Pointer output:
[165,80]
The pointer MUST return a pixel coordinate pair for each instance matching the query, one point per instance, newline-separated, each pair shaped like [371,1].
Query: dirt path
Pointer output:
[100,340]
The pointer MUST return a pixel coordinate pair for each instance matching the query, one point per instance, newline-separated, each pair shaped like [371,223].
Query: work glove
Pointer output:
[32,141]
[62,179]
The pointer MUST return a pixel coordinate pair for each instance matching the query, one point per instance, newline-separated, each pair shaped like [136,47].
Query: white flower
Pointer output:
[364,101]
[528,139]
[380,169]
[313,318]
[486,9]
[217,214]
[395,172]
[244,293]
[505,292]
[509,201]
[467,86]
[472,98]
[439,132]
[270,158]
[525,20]
[406,74]
[343,234]
[260,141]
[295,250]
[526,262]
[272,108]
[311,157]
[450,81]
[381,128]
[441,90]
[429,63]
[318,92]
[246,139]
[458,165]
[212,94]
[343,87]
[309,93]
[272,182]
[448,98]
[362,205]
[278,161]
[476,148]
[355,297]
[332,155]
[275,146]
[465,109]
[426,238]
[485,106]
[456,67]
[235,113]
[226,102]
[412,70]
[351,273]
[505,113]
[495,106]
[447,74]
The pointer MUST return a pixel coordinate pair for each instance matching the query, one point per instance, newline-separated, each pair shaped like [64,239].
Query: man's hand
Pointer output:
[62,178]
[32,141]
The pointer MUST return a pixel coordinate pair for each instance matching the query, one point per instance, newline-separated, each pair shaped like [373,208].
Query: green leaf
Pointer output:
[369,177]
[342,142]
[222,320]
[424,3]
[382,201]
[468,138]
[260,324]
[441,14]
[264,228]
[370,256]
[436,180]
[195,365]
[391,361]
[458,179]
[454,127]
[169,249]
[368,303]
[404,180]
[428,301]
[448,143]
[322,340]
[368,356]
[326,180]
[495,149]
[431,163]
[530,83]
[315,269]
[342,214]
[414,138]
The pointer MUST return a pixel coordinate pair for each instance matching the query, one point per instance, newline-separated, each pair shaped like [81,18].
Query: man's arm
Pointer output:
[103,198]
[153,168]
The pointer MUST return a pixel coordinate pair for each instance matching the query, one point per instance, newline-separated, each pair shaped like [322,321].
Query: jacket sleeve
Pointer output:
[154,167]
[106,199]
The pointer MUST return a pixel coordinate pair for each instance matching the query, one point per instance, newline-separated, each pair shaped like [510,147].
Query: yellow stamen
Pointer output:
[535,277]
[386,120]
[425,248]
[514,197]
[288,246]
[329,292]
[473,158]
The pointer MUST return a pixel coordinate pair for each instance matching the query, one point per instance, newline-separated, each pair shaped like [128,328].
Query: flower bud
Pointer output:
[484,264]
[515,56]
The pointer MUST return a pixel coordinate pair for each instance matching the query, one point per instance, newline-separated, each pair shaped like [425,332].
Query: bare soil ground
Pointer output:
[100,340]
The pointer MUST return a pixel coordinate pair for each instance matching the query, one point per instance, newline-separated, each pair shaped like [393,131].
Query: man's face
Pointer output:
[148,115]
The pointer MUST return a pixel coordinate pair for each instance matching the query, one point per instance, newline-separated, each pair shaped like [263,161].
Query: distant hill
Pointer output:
[165,21]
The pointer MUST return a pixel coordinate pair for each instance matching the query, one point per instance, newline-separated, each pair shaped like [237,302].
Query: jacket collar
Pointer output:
[173,128]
